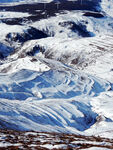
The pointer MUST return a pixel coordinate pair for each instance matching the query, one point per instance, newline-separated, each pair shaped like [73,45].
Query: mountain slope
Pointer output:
[56,68]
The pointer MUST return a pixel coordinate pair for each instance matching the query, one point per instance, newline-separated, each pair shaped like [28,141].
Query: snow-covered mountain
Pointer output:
[12,1]
[56,67]
[39,1]
[32,1]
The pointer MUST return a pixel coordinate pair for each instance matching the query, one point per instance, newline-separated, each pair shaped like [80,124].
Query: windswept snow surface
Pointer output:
[4,15]
[57,100]
[39,1]
[107,6]
[61,80]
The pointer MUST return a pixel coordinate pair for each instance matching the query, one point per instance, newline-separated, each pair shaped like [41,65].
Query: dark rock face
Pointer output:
[14,21]
[81,29]
[31,34]
[78,28]
[35,49]
[20,38]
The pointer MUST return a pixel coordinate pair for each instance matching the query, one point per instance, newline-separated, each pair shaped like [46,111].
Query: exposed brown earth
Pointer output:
[15,140]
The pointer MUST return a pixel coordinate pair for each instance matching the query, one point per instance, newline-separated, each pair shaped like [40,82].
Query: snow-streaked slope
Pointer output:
[55,83]
[47,115]
[75,24]
[54,115]
[80,53]
[57,100]
[58,115]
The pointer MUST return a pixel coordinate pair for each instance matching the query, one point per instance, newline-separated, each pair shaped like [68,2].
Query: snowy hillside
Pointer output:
[56,67]
[39,1]
[7,1]
[31,1]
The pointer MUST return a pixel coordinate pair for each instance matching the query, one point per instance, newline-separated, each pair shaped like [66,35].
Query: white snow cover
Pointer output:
[32,1]
[5,29]
[24,63]
[9,14]
[48,101]
[97,148]
[16,2]
[107,6]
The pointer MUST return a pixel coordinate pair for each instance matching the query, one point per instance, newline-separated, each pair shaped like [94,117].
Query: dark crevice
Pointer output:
[93,14]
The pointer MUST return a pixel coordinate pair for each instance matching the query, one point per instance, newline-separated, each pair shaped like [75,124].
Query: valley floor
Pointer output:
[13,140]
